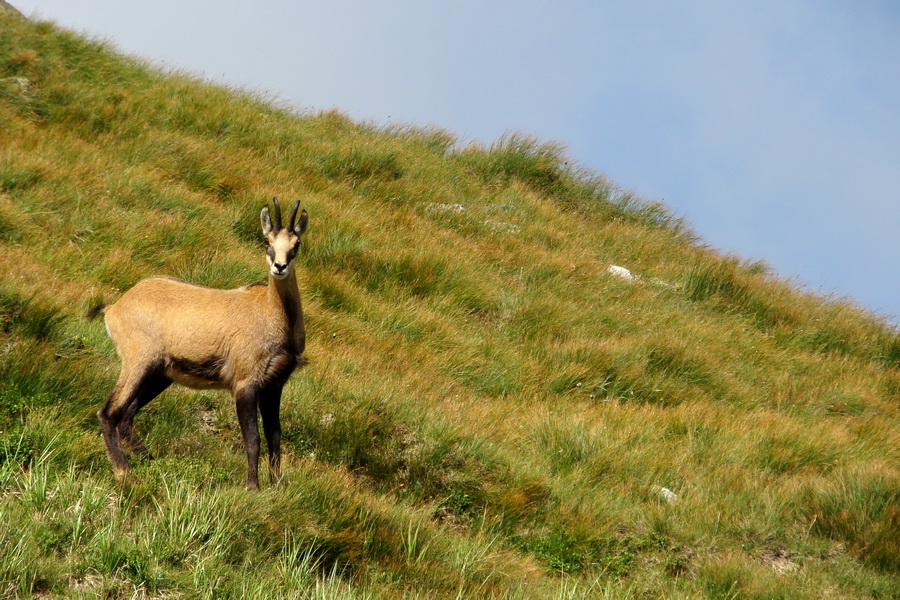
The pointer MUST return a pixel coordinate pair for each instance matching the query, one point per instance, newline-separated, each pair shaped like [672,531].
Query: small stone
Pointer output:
[457,208]
[668,495]
[620,272]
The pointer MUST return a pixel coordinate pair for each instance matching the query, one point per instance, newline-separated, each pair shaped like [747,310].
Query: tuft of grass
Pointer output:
[859,508]
[27,316]
[361,164]
[18,180]
[565,446]
[737,578]
[731,288]
[520,158]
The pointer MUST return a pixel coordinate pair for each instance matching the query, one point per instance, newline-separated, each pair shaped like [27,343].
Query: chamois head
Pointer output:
[282,243]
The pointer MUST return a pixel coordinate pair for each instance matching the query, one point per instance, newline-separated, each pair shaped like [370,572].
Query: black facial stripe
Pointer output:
[270,251]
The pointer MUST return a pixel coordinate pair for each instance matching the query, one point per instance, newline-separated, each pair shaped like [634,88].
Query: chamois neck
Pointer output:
[284,300]
[284,292]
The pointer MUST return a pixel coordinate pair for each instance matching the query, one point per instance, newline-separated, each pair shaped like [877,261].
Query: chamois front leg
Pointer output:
[270,408]
[246,400]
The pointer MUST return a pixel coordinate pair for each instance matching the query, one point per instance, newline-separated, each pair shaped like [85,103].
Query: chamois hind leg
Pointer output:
[131,387]
[246,401]
[153,387]
[270,408]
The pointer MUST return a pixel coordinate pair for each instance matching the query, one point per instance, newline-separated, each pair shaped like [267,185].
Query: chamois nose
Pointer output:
[279,267]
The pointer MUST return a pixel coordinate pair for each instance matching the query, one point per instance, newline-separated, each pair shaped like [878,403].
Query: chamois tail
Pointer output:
[95,312]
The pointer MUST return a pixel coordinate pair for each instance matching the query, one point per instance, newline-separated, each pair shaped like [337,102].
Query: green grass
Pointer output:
[486,411]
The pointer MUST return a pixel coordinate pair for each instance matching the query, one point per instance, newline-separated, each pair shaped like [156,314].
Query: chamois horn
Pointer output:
[277,214]
[294,216]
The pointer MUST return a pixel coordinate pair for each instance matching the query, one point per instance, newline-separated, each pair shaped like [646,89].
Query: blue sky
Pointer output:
[772,126]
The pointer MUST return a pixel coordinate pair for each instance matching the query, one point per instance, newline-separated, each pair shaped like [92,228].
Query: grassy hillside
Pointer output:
[487,411]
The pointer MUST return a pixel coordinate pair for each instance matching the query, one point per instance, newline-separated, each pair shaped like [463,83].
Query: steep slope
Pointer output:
[488,411]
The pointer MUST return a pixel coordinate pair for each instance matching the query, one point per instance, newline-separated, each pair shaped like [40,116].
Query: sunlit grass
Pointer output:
[487,411]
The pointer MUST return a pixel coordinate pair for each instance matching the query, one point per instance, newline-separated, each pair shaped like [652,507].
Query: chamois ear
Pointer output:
[265,221]
[300,228]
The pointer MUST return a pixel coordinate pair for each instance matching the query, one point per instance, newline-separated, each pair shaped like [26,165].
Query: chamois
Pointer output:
[247,340]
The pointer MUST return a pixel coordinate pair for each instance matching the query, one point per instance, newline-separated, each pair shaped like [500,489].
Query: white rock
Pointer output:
[23,84]
[668,495]
[620,272]
[502,227]
[662,284]
[458,208]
